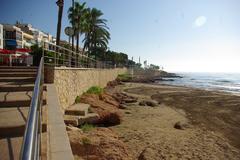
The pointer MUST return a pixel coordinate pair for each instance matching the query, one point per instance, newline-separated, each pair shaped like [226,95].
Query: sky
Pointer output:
[180,35]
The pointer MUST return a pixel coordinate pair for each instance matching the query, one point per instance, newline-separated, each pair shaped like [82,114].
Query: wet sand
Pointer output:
[213,119]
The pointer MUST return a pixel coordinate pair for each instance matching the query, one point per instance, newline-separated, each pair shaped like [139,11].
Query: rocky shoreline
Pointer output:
[152,76]
[96,140]
[151,122]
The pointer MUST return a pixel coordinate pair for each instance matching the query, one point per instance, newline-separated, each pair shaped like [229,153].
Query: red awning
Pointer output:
[23,50]
[5,51]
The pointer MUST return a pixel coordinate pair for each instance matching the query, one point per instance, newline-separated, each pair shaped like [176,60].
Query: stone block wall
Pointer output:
[72,82]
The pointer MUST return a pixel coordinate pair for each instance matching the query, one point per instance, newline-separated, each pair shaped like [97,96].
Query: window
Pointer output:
[19,36]
[10,35]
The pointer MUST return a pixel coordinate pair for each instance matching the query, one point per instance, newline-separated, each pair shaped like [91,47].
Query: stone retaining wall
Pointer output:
[71,82]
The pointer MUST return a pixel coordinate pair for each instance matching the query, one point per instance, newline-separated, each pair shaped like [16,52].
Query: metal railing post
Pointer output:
[43,55]
[56,50]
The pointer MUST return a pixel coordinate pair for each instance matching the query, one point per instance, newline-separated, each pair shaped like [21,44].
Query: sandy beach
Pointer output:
[211,121]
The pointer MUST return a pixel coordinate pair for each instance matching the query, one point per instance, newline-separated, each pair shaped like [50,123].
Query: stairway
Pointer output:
[79,114]
[16,87]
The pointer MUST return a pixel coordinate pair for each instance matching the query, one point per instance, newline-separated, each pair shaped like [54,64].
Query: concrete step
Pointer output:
[18,67]
[10,148]
[79,109]
[13,121]
[18,80]
[7,84]
[17,70]
[17,88]
[18,74]
[71,120]
[17,99]
[19,103]
[90,118]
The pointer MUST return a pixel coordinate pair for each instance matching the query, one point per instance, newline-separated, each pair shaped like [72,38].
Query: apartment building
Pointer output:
[38,35]
[28,40]
[13,37]
[22,36]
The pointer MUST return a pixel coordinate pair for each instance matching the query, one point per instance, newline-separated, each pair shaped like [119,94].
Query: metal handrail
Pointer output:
[31,146]
[58,56]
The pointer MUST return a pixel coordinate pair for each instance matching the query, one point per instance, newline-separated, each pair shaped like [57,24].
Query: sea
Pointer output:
[227,82]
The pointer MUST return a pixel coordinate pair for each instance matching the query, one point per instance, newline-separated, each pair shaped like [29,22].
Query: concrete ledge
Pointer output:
[58,141]
[72,68]
[51,71]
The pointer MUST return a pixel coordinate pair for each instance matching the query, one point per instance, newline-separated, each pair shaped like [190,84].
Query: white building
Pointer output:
[1,36]
[13,37]
[28,40]
[38,35]
[22,36]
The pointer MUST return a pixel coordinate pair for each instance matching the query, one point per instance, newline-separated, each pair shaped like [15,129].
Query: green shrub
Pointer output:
[124,77]
[95,90]
[87,127]
[78,99]
[86,141]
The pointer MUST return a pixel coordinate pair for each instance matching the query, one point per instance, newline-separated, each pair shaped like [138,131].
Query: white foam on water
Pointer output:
[228,82]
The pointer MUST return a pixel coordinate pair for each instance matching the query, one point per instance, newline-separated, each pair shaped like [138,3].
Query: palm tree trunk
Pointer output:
[77,43]
[72,43]
[73,28]
[59,24]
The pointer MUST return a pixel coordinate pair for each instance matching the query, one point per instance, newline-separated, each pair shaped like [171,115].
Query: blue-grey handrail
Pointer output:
[31,146]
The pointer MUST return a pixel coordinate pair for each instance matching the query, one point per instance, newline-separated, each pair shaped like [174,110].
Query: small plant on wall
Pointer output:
[95,90]
[92,90]
[77,99]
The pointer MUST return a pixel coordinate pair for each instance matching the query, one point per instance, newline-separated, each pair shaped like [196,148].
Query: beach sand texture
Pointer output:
[212,120]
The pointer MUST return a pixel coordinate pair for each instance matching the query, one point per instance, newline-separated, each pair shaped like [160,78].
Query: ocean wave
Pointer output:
[224,81]
[227,83]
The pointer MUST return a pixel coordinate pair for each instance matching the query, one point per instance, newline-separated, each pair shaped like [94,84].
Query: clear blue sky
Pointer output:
[181,35]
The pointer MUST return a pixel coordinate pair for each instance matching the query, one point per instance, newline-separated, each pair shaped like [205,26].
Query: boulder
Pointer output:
[122,106]
[109,99]
[128,112]
[150,103]
[98,143]
[181,125]
[114,83]
[142,103]
[130,100]
[117,98]
[124,98]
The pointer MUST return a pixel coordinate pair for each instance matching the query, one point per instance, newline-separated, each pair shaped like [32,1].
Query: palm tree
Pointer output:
[76,17]
[72,27]
[60,4]
[96,31]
